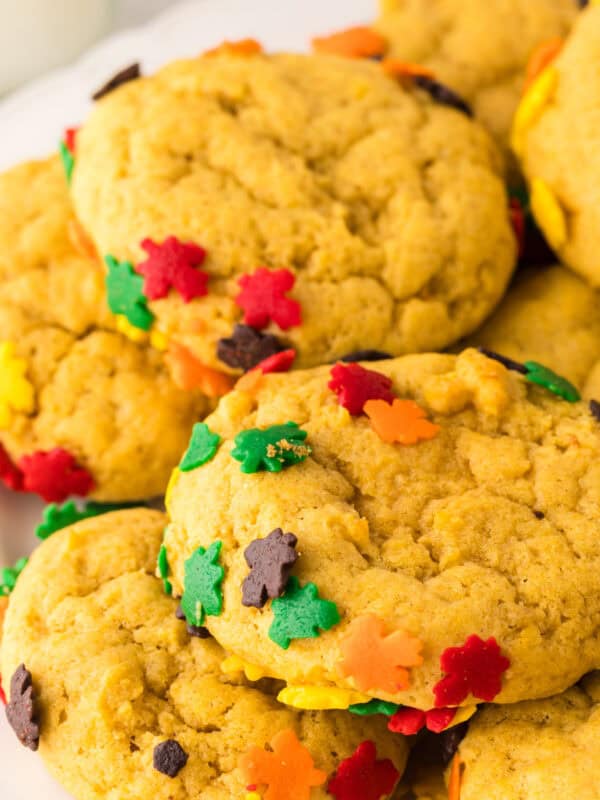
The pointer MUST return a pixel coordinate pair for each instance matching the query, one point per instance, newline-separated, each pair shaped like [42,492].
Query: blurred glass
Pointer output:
[37,35]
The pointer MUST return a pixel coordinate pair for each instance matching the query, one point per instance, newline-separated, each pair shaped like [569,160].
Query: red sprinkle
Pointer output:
[173,264]
[438,719]
[71,139]
[3,699]
[10,475]
[354,385]
[263,299]
[362,777]
[54,475]
[517,217]
[407,721]
[279,362]
[476,668]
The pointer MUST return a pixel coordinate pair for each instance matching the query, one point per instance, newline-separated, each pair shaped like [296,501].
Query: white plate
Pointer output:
[32,122]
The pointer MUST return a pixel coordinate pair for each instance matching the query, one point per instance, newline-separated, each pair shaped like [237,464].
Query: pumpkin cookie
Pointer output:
[479,49]
[150,711]
[290,202]
[83,410]
[419,530]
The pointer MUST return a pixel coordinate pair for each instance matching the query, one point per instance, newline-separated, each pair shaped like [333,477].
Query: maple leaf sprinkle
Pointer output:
[56,517]
[124,292]
[271,449]
[263,298]
[173,264]
[301,614]
[202,585]
[247,347]
[202,448]
[363,777]
[20,711]
[10,575]
[270,561]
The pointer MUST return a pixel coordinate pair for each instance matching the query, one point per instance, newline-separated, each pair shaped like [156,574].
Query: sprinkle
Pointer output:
[169,757]
[354,385]
[357,42]
[376,659]
[450,740]
[396,68]
[541,57]
[16,392]
[263,299]
[403,421]
[193,630]
[57,517]
[241,47]
[515,366]
[374,706]
[595,409]
[247,347]
[67,159]
[531,106]
[202,593]
[130,73]
[188,373]
[54,475]
[438,719]
[128,330]
[409,721]
[517,218]
[3,699]
[125,295]
[174,477]
[287,769]
[270,560]
[548,213]
[280,362]
[300,614]
[362,777]
[365,355]
[71,139]
[162,565]
[80,240]
[442,94]
[10,575]
[202,448]
[252,796]
[475,668]
[455,781]
[545,377]
[10,475]
[271,449]
[20,712]
[234,664]
[319,698]
[173,264]
[159,340]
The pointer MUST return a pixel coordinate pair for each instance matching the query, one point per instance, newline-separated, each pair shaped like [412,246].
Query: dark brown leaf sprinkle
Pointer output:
[20,712]
[595,409]
[365,355]
[270,561]
[247,347]
[450,740]
[442,94]
[515,366]
[194,630]
[169,758]
[130,73]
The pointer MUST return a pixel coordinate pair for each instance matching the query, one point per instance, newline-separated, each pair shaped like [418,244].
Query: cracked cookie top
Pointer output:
[379,215]
[445,536]
[151,712]
[83,409]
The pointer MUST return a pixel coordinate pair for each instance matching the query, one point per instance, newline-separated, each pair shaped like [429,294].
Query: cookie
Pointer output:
[445,536]
[550,316]
[552,136]
[535,750]
[83,410]
[480,50]
[150,711]
[310,198]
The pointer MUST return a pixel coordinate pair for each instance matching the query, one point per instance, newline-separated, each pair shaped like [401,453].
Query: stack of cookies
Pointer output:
[340,309]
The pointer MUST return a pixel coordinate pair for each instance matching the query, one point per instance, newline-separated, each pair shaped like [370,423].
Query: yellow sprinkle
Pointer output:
[462,715]
[320,698]
[159,340]
[548,213]
[234,664]
[16,392]
[130,331]
[253,796]
[532,105]
[170,486]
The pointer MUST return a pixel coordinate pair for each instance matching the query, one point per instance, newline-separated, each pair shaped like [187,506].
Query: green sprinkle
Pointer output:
[162,564]
[271,449]
[201,449]
[545,377]
[125,294]
[10,575]
[68,161]
[202,593]
[300,613]
[374,707]
[57,517]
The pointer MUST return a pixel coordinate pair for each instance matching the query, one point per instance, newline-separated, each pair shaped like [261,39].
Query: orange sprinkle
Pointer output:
[543,55]
[188,373]
[250,382]
[403,421]
[455,781]
[240,47]
[377,660]
[359,42]
[396,68]
[288,771]
[81,241]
